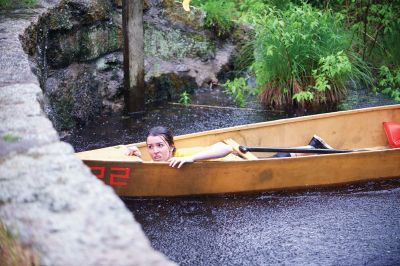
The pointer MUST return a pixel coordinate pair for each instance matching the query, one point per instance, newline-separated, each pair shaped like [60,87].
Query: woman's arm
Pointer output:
[217,150]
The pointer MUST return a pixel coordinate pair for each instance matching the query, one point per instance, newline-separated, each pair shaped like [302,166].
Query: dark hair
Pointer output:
[165,133]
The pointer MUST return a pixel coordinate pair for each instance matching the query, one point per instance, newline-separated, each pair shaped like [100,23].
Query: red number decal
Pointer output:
[123,173]
[101,170]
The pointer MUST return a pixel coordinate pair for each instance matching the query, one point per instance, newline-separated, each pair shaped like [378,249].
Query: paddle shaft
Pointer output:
[245,149]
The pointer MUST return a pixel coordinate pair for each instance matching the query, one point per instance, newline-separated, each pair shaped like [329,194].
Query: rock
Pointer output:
[202,73]
[189,21]
[80,92]
[76,48]
[172,44]
[169,86]
[90,42]
[73,96]
[88,23]
[182,68]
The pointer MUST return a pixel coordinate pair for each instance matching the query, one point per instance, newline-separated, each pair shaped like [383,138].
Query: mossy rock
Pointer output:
[172,44]
[174,12]
[168,87]
[86,44]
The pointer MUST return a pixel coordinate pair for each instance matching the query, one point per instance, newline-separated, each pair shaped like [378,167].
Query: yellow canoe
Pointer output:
[355,129]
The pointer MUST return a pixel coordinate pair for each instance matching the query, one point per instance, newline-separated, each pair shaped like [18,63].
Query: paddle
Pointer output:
[245,149]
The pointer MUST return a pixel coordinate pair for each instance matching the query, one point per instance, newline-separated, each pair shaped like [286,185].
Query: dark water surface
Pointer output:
[203,114]
[350,225]
[353,225]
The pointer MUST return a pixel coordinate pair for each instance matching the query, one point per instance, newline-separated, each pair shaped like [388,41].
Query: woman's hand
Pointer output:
[133,151]
[179,161]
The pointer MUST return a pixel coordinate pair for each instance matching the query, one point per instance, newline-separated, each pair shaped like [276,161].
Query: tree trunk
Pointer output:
[132,17]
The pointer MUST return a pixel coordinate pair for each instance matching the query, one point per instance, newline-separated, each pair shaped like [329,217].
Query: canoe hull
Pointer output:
[346,130]
[211,177]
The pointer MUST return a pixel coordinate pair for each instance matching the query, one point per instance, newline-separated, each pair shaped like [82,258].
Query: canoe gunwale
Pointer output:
[242,161]
[274,123]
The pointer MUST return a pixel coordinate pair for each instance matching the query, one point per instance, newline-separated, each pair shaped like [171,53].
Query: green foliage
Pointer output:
[375,25]
[303,96]
[184,98]
[244,57]
[374,22]
[332,70]
[391,48]
[8,4]
[304,54]
[251,9]
[302,49]
[389,82]
[239,90]
[219,16]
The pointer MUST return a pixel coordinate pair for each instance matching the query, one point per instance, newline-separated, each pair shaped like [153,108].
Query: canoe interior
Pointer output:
[353,129]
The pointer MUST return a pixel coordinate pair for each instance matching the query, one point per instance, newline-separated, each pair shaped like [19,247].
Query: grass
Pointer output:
[303,57]
[12,253]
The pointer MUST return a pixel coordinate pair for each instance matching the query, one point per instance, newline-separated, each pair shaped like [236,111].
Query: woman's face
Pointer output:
[158,148]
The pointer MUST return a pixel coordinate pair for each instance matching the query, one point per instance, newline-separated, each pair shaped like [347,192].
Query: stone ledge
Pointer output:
[48,197]
[68,216]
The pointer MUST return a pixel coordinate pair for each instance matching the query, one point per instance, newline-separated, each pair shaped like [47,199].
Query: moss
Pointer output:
[10,138]
[62,105]
[97,41]
[175,44]
[86,44]
[59,19]
[10,4]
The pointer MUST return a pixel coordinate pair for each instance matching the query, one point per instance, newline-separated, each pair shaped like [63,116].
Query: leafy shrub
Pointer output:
[302,57]
[239,90]
[375,23]
[389,82]
[219,16]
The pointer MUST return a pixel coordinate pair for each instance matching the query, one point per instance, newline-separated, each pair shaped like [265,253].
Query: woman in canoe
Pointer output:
[161,147]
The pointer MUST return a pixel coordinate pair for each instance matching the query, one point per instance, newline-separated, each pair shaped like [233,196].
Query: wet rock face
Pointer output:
[169,43]
[67,17]
[88,43]
[76,50]
[64,46]
[73,95]
[79,92]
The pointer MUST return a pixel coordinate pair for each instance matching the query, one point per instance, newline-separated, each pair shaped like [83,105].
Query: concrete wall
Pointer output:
[48,198]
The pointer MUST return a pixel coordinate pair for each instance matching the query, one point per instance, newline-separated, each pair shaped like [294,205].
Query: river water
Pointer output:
[353,225]
[347,225]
